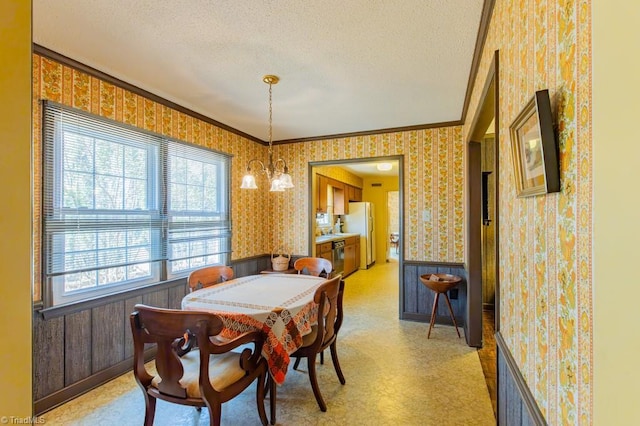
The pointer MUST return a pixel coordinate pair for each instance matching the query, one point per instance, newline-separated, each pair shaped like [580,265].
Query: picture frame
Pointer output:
[534,148]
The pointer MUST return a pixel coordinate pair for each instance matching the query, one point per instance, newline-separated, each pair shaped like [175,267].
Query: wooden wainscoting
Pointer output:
[76,349]
[516,404]
[416,300]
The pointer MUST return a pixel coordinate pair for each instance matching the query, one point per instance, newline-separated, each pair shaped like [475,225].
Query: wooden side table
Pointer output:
[445,283]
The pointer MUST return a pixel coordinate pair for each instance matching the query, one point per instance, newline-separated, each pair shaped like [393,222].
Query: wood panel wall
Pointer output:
[76,351]
[416,300]
[516,404]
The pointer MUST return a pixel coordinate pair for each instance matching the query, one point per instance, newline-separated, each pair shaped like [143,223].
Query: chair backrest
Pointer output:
[314,266]
[340,314]
[327,296]
[208,276]
[169,329]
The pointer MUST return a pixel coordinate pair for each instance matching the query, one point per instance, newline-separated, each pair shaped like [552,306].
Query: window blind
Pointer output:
[122,206]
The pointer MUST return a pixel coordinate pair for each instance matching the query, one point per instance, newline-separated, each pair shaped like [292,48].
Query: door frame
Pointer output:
[488,109]
[388,240]
[312,213]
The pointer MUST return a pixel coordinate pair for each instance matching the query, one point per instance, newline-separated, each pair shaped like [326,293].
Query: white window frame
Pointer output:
[154,217]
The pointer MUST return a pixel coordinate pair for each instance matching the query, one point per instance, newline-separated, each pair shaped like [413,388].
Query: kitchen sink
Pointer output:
[333,237]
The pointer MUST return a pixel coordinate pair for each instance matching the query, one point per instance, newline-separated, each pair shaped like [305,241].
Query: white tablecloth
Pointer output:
[281,305]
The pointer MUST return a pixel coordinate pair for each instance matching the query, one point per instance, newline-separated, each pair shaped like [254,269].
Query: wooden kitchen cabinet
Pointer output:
[349,259]
[340,202]
[324,250]
[353,193]
[342,194]
[322,200]
[350,252]
[357,194]
[340,205]
[350,191]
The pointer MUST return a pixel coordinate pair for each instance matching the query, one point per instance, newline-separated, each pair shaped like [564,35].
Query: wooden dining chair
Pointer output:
[208,276]
[339,318]
[317,266]
[207,375]
[324,334]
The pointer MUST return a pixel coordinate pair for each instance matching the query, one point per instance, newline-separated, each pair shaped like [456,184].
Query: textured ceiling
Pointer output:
[345,66]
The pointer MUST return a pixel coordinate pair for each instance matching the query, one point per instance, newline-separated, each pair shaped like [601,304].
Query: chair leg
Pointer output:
[296,364]
[446,297]
[215,412]
[272,399]
[266,386]
[260,389]
[311,361]
[336,363]
[150,409]
[433,314]
[322,357]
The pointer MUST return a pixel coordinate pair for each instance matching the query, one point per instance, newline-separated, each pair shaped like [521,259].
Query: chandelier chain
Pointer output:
[270,119]
[277,171]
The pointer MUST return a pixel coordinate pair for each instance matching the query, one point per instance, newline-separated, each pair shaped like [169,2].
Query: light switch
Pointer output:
[426,215]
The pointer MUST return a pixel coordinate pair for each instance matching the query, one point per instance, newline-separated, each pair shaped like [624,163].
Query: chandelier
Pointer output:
[277,171]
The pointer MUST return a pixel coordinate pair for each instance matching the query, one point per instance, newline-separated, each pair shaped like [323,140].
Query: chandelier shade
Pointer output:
[276,170]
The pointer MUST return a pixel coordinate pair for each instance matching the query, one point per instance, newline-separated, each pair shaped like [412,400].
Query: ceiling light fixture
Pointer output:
[384,167]
[277,171]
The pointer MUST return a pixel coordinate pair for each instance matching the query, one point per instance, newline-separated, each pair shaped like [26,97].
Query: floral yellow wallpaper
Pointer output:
[545,248]
[545,242]
[251,210]
[434,179]
[262,221]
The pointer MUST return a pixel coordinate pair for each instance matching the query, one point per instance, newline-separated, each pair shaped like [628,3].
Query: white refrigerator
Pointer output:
[360,220]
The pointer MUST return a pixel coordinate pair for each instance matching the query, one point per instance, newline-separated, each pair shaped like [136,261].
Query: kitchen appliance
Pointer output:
[338,257]
[360,220]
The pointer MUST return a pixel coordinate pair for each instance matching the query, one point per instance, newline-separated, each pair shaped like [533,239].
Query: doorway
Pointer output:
[483,174]
[488,231]
[393,226]
[483,171]
[374,183]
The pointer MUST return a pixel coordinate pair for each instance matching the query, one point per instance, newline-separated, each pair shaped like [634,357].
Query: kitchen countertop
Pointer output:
[334,237]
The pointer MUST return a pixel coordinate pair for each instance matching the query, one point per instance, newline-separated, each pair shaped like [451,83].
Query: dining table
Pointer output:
[279,305]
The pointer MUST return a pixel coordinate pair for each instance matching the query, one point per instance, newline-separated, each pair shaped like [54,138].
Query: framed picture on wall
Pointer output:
[534,148]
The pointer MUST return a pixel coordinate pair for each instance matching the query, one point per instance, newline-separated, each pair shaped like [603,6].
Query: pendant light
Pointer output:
[276,170]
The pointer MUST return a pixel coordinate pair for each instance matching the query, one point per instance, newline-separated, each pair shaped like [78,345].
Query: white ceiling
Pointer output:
[370,169]
[345,65]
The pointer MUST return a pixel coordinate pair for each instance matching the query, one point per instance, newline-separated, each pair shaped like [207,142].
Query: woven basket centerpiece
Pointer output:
[280,262]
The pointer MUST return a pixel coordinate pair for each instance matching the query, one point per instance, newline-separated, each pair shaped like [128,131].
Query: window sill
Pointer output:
[70,308]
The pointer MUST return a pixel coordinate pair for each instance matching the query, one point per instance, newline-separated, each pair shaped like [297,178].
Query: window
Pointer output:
[124,208]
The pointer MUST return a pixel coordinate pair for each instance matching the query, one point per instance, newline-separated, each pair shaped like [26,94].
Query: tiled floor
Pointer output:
[395,376]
